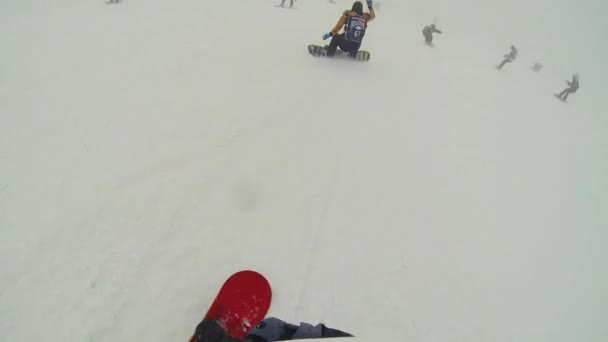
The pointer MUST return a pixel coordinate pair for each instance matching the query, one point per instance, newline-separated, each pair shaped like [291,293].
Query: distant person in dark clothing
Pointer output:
[427,32]
[536,67]
[572,88]
[508,58]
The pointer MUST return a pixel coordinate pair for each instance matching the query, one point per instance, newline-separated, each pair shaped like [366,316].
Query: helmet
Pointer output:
[358,7]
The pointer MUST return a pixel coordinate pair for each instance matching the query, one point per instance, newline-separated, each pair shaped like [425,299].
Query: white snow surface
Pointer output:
[148,149]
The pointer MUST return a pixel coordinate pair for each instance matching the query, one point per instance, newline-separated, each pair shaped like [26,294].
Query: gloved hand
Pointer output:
[370,3]
[327,35]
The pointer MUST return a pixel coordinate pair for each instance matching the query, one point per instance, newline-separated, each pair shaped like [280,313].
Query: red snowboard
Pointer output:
[241,303]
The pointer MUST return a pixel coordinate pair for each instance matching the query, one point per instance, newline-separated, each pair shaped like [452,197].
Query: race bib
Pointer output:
[355,29]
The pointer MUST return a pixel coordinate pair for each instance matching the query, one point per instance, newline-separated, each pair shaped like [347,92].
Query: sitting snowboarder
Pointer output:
[508,58]
[427,32]
[354,22]
[572,88]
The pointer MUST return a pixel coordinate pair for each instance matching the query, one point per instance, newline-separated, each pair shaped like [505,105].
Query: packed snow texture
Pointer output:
[148,149]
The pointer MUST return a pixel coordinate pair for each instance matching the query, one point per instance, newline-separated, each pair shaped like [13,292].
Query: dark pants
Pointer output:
[504,61]
[564,94]
[428,39]
[290,3]
[339,41]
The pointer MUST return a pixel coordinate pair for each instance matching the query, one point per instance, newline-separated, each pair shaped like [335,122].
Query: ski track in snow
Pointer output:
[150,148]
[316,236]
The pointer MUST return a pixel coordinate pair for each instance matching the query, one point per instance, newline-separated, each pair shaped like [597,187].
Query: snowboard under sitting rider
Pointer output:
[427,32]
[354,22]
[572,88]
[508,58]
[269,330]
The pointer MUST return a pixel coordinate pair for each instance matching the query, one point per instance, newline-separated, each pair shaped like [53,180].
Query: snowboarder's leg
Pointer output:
[351,48]
[566,93]
[291,3]
[428,39]
[336,40]
[502,64]
[282,3]
[561,95]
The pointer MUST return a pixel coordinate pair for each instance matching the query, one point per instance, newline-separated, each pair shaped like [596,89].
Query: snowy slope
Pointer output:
[150,148]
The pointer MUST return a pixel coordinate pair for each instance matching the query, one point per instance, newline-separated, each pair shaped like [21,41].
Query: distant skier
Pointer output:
[572,88]
[354,22]
[269,330]
[536,67]
[290,3]
[508,58]
[427,32]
